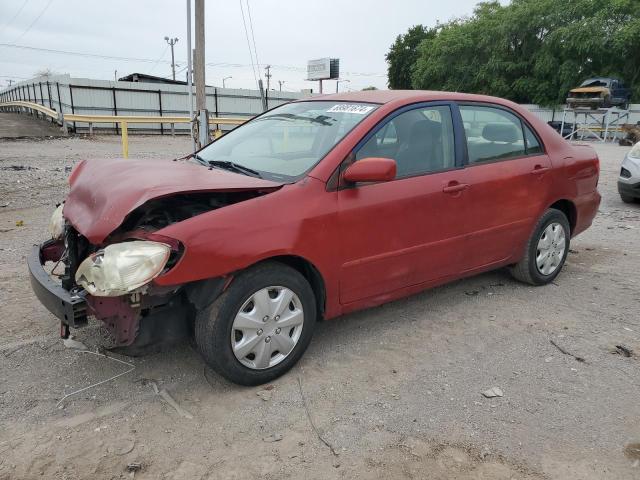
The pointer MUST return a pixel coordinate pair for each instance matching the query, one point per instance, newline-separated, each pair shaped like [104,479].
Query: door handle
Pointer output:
[539,169]
[455,187]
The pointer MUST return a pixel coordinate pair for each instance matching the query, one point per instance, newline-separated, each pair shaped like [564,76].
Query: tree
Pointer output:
[45,72]
[403,55]
[531,51]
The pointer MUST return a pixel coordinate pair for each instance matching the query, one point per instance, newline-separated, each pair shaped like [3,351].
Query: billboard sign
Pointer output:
[323,69]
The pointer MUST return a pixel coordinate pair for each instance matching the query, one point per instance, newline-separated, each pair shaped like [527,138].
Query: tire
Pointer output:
[627,198]
[527,270]
[214,325]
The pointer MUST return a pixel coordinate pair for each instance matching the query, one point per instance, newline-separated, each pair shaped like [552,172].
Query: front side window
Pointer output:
[492,134]
[286,142]
[419,140]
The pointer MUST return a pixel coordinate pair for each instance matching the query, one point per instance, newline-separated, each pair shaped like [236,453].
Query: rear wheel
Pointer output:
[546,250]
[260,326]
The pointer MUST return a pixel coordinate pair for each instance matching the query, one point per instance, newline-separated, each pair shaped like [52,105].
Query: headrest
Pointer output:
[500,132]
[424,131]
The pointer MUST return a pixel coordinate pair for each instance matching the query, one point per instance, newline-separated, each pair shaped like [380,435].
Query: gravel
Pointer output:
[390,392]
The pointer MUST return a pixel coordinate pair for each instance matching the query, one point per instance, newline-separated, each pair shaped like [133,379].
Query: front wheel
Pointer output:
[546,250]
[260,326]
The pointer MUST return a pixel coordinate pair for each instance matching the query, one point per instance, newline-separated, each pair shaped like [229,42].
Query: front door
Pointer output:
[410,230]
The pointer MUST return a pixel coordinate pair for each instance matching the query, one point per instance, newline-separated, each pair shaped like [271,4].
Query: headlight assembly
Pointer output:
[122,267]
[56,224]
[635,151]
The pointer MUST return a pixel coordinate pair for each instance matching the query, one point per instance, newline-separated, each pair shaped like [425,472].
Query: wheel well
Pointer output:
[569,209]
[311,273]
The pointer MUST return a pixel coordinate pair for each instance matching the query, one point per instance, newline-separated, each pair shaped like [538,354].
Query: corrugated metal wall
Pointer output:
[104,97]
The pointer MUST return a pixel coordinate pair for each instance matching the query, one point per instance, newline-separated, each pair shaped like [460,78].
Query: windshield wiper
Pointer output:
[321,119]
[227,165]
[199,159]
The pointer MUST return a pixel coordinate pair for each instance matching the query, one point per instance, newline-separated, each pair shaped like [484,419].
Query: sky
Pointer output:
[287,34]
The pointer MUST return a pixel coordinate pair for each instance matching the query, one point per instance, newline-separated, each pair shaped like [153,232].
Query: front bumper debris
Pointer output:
[69,306]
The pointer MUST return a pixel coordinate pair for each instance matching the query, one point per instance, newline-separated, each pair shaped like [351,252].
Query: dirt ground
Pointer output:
[391,392]
[14,125]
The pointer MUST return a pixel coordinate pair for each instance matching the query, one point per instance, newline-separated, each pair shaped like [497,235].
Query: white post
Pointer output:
[189,76]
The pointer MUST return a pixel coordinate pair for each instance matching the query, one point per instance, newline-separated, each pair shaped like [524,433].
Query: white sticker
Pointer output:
[350,108]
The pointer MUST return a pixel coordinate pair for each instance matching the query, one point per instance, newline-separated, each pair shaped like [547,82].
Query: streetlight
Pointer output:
[280,83]
[225,78]
[172,42]
[341,81]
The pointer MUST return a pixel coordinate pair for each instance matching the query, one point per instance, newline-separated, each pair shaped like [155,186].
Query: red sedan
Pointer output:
[314,209]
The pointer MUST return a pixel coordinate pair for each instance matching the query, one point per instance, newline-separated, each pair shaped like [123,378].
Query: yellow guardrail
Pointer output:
[122,120]
[33,106]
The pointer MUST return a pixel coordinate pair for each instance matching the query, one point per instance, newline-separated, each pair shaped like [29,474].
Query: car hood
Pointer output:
[104,191]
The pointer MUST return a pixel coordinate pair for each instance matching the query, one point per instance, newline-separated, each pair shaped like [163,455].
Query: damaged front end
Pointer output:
[144,316]
[113,280]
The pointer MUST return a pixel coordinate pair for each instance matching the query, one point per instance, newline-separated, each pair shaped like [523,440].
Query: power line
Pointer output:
[15,16]
[35,20]
[152,60]
[246,33]
[159,58]
[255,49]
[170,76]
[83,54]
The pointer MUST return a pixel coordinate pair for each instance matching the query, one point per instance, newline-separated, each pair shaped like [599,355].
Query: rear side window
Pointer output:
[492,134]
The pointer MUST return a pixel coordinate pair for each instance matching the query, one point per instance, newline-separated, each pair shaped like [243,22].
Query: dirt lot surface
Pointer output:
[15,125]
[391,392]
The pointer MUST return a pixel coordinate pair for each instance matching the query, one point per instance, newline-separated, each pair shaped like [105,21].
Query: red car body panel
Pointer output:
[370,244]
[103,192]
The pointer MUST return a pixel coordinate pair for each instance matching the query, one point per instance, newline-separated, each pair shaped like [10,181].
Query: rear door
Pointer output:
[510,182]
[409,230]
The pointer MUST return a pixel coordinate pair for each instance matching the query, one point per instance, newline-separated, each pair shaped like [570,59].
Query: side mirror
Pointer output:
[371,169]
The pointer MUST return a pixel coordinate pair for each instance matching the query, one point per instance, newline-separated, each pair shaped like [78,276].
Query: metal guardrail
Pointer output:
[122,120]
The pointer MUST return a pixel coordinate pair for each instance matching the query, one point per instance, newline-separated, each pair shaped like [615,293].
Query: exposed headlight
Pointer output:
[635,151]
[56,224]
[122,267]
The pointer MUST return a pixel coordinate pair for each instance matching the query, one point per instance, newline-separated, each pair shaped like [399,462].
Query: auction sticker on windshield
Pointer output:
[350,108]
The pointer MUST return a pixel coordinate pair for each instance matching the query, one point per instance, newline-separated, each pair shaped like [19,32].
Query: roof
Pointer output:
[143,77]
[407,96]
[594,79]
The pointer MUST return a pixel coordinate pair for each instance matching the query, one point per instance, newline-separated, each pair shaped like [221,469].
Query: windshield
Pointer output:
[286,142]
[595,82]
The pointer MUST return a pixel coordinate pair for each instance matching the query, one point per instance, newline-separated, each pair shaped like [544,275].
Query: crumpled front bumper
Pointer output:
[69,307]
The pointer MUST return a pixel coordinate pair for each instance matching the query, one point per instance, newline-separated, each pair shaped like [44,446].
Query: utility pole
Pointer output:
[201,99]
[268,75]
[115,75]
[280,82]
[190,74]
[172,42]
[225,78]
[10,82]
